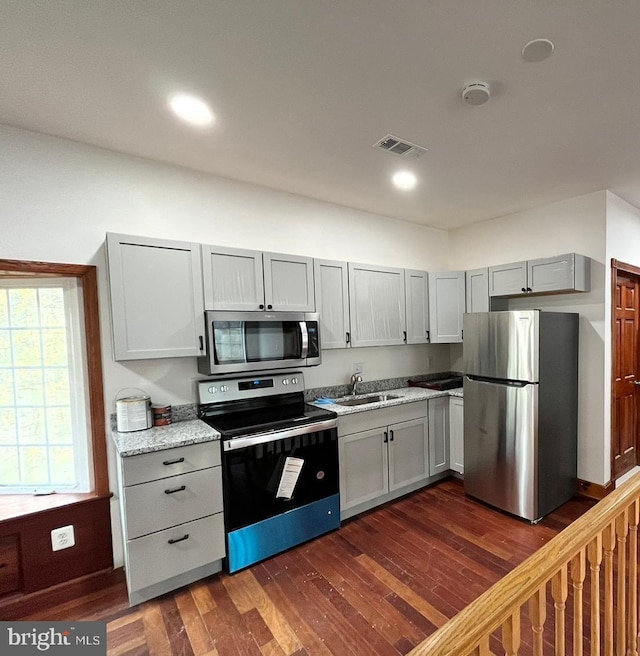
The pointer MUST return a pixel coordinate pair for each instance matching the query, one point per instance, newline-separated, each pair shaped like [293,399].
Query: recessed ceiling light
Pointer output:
[404,180]
[537,50]
[191,109]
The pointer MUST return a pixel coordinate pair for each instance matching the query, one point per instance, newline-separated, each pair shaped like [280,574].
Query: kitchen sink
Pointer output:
[376,398]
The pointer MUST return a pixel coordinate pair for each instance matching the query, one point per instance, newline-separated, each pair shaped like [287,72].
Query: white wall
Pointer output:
[575,225]
[59,198]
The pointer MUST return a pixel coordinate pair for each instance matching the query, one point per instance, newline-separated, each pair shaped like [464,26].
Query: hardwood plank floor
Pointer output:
[379,585]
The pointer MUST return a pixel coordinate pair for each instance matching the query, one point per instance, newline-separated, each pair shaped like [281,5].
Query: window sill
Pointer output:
[15,506]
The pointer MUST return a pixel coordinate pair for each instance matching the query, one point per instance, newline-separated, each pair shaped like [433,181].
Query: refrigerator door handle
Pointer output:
[497,381]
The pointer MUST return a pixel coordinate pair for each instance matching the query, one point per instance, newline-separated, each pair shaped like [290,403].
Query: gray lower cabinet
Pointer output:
[332,303]
[446,306]
[456,434]
[172,518]
[156,297]
[238,279]
[438,435]
[383,453]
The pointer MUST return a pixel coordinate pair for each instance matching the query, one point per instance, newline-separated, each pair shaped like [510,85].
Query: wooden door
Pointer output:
[626,378]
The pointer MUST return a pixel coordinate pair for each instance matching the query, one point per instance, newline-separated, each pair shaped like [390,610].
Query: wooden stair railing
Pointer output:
[578,594]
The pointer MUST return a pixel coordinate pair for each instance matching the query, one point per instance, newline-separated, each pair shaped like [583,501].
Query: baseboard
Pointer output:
[594,490]
[21,606]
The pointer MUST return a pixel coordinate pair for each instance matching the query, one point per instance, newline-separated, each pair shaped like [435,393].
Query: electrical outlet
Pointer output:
[62,538]
[358,368]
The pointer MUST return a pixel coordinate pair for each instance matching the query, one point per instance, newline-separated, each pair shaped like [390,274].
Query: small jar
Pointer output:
[161,415]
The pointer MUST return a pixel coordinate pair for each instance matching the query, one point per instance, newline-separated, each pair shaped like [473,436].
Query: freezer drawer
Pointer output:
[501,445]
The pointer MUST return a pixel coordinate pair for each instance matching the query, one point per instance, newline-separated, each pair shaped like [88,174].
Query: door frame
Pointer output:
[631,270]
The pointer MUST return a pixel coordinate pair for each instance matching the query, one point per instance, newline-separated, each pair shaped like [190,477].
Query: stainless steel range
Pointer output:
[279,463]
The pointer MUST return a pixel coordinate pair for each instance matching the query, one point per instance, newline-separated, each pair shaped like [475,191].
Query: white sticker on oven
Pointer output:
[289,478]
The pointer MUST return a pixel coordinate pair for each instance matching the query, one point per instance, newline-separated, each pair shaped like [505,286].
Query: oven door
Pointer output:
[280,489]
[240,341]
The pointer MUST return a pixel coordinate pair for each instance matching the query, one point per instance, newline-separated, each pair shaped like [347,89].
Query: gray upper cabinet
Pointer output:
[232,279]
[376,305]
[446,306]
[549,275]
[416,284]
[156,297]
[238,279]
[477,290]
[508,279]
[332,302]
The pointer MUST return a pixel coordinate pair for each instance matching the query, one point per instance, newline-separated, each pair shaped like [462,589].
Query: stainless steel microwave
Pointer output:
[259,341]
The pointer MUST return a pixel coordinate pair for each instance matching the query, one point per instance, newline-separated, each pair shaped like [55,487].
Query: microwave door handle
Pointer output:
[305,340]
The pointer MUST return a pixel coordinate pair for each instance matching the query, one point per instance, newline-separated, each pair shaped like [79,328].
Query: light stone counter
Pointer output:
[182,433]
[404,394]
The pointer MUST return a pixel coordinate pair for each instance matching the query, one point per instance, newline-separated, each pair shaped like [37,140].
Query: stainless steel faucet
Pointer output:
[355,379]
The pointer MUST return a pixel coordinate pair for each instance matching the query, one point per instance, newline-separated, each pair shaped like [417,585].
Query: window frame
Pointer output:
[86,276]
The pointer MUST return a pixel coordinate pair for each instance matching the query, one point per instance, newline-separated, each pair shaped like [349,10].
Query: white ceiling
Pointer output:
[302,89]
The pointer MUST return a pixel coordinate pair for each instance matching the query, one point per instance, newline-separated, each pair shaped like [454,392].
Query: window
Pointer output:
[43,420]
[52,428]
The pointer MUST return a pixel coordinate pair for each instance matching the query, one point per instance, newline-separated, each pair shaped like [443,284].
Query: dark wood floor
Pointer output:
[379,585]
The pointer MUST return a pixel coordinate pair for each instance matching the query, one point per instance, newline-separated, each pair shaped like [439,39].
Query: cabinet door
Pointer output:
[377,305]
[456,434]
[477,289]
[416,285]
[508,279]
[408,453]
[364,473]
[332,303]
[156,297]
[288,282]
[438,435]
[232,279]
[551,274]
[446,306]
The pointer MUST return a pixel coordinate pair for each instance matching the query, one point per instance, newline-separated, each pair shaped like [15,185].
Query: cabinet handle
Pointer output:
[173,462]
[529,289]
[176,489]
[348,337]
[524,289]
[391,439]
[386,437]
[404,333]
[428,336]
[269,307]
[261,306]
[200,338]
[174,540]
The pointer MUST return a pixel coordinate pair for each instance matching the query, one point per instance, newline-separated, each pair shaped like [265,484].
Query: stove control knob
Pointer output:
[285,381]
[224,388]
[294,381]
[213,389]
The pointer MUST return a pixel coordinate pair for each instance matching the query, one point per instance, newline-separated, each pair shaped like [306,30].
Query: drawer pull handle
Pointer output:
[176,489]
[174,540]
[173,462]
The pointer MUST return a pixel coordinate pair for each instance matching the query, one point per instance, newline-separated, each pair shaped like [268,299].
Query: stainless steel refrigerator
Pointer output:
[521,409]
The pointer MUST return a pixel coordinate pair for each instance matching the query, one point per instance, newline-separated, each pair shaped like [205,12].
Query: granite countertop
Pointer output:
[181,433]
[405,394]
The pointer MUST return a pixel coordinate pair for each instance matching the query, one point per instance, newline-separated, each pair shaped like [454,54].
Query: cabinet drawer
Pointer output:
[368,419]
[170,503]
[9,564]
[169,462]
[154,558]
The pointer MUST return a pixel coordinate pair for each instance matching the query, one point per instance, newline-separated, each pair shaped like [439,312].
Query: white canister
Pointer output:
[133,413]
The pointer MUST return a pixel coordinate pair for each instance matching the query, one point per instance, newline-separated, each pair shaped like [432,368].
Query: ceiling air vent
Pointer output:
[399,146]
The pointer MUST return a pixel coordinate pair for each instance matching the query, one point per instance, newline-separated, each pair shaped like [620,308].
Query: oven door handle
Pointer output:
[305,340]
[274,436]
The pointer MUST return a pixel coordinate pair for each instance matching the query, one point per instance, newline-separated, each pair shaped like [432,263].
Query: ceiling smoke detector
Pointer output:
[476,93]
